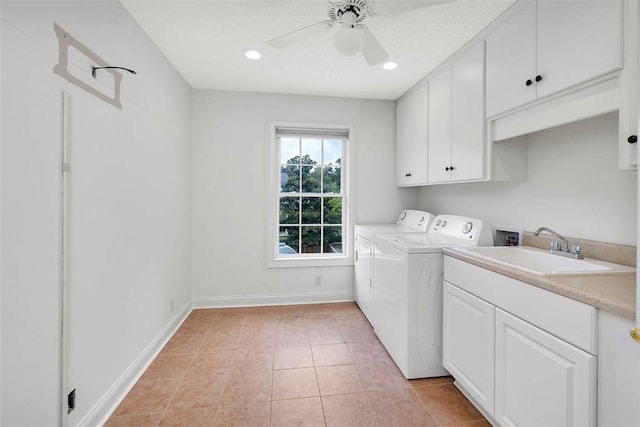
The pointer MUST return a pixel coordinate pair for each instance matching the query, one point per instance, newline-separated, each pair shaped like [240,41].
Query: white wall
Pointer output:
[573,186]
[130,207]
[230,151]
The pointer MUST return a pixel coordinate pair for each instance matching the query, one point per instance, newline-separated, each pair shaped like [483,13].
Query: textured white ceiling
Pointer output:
[205,41]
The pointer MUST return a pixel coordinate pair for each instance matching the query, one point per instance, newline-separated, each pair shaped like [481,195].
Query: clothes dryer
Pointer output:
[409,221]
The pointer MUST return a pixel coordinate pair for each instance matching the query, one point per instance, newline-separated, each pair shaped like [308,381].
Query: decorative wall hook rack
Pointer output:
[84,59]
[93,70]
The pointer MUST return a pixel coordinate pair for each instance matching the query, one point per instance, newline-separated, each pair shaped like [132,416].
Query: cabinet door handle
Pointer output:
[407,174]
[538,77]
[635,334]
[356,256]
[451,168]
[632,139]
[447,168]
[528,82]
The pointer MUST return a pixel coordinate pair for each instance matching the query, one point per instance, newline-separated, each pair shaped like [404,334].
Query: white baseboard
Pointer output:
[273,299]
[100,413]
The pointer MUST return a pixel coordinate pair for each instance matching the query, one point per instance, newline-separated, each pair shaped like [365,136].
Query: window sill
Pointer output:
[310,262]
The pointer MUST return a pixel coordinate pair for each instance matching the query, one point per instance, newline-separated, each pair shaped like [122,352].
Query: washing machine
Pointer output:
[409,221]
[408,291]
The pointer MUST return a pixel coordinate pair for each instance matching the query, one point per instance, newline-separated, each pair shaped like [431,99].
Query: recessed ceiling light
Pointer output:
[252,54]
[390,65]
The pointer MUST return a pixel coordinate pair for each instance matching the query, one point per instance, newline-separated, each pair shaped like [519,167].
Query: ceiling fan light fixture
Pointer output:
[349,41]
[252,54]
[390,65]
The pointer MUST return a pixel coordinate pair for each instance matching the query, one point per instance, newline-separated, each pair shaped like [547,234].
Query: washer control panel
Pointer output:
[415,220]
[467,229]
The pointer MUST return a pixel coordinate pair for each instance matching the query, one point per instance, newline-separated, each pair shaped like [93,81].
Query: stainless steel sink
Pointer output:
[540,262]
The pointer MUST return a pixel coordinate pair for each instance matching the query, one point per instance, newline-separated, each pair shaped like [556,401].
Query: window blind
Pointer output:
[293,132]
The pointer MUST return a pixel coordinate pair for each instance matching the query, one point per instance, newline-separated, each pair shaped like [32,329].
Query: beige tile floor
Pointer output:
[313,365]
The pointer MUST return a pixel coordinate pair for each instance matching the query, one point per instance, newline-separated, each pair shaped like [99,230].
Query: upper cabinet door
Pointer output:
[467,116]
[440,127]
[511,62]
[550,46]
[411,138]
[577,41]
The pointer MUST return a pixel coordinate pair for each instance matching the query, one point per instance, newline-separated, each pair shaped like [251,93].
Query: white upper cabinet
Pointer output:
[467,116]
[629,113]
[456,120]
[440,126]
[577,41]
[549,46]
[411,138]
[511,62]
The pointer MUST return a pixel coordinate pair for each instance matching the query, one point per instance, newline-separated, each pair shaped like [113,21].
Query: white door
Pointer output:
[536,370]
[468,349]
[636,331]
[411,138]
[511,62]
[363,289]
[577,41]
[440,127]
[467,116]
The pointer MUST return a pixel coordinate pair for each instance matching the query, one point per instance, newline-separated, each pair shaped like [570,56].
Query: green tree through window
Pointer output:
[310,197]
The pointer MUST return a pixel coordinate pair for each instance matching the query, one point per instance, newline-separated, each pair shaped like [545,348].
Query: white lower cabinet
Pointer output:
[541,380]
[468,343]
[519,372]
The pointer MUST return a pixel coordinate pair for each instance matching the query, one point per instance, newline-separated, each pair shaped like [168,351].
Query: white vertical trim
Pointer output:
[0,223]
[64,251]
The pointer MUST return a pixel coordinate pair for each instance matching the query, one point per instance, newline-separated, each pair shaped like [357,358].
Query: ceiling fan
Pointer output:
[353,36]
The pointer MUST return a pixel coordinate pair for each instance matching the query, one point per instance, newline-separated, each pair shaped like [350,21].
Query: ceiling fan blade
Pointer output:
[299,34]
[372,50]
[390,7]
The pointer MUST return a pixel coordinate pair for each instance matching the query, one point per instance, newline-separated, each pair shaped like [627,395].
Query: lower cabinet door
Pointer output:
[541,380]
[468,347]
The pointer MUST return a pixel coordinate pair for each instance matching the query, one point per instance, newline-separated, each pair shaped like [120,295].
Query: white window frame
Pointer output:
[274,260]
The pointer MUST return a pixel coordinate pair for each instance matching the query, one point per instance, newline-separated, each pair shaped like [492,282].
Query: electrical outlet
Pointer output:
[317,280]
[171,306]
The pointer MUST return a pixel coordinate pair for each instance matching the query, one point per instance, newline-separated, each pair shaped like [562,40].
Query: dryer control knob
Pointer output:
[467,227]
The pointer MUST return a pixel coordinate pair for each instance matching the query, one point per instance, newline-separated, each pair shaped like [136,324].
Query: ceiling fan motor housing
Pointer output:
[359,8]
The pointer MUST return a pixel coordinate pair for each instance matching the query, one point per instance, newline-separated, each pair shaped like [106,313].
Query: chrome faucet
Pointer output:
[561,248]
